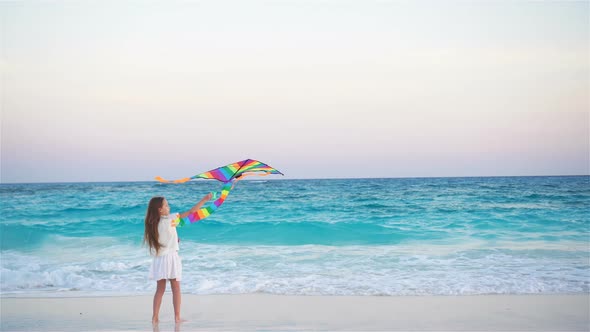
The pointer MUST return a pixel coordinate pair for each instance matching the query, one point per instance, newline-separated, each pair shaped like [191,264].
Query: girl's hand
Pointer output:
[197,206]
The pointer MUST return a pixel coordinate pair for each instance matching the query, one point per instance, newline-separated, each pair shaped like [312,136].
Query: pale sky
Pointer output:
[127,90]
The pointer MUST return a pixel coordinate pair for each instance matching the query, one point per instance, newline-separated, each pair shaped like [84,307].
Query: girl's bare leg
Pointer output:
[176,299]
[158,300]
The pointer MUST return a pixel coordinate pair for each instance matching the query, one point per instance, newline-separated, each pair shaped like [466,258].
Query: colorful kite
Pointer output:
[229,175]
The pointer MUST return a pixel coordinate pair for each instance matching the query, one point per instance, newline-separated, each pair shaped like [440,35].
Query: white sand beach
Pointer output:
[297,313]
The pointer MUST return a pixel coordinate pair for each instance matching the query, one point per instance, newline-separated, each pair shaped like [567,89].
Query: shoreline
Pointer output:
[535,312]
[131,295]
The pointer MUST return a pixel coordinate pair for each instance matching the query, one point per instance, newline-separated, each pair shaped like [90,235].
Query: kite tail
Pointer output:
[208,209]
[160,179]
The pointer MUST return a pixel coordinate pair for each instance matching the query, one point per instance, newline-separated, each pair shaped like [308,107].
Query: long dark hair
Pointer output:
[152,217]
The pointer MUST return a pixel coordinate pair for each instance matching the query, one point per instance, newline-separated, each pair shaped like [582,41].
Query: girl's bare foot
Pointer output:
[180,320]
[155,320]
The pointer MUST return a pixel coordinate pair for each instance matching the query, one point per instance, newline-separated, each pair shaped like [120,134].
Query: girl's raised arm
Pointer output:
[197,206]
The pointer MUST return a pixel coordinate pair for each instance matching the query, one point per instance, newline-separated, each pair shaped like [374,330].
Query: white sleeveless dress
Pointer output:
[167,264]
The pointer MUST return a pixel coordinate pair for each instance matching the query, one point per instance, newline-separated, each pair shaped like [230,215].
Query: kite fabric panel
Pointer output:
[232,171]
[229,175]
[236,170]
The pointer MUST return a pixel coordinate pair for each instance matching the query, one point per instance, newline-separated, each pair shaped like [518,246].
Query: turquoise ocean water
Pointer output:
[414,236]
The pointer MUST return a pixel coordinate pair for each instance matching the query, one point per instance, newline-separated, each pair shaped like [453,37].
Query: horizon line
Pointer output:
[337,178]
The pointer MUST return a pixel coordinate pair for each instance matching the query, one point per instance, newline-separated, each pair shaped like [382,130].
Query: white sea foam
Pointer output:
[107,267]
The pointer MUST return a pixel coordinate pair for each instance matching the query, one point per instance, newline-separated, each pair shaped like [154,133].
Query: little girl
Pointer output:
[160,235]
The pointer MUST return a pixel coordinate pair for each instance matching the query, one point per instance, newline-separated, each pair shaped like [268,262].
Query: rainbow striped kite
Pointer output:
[229,175]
